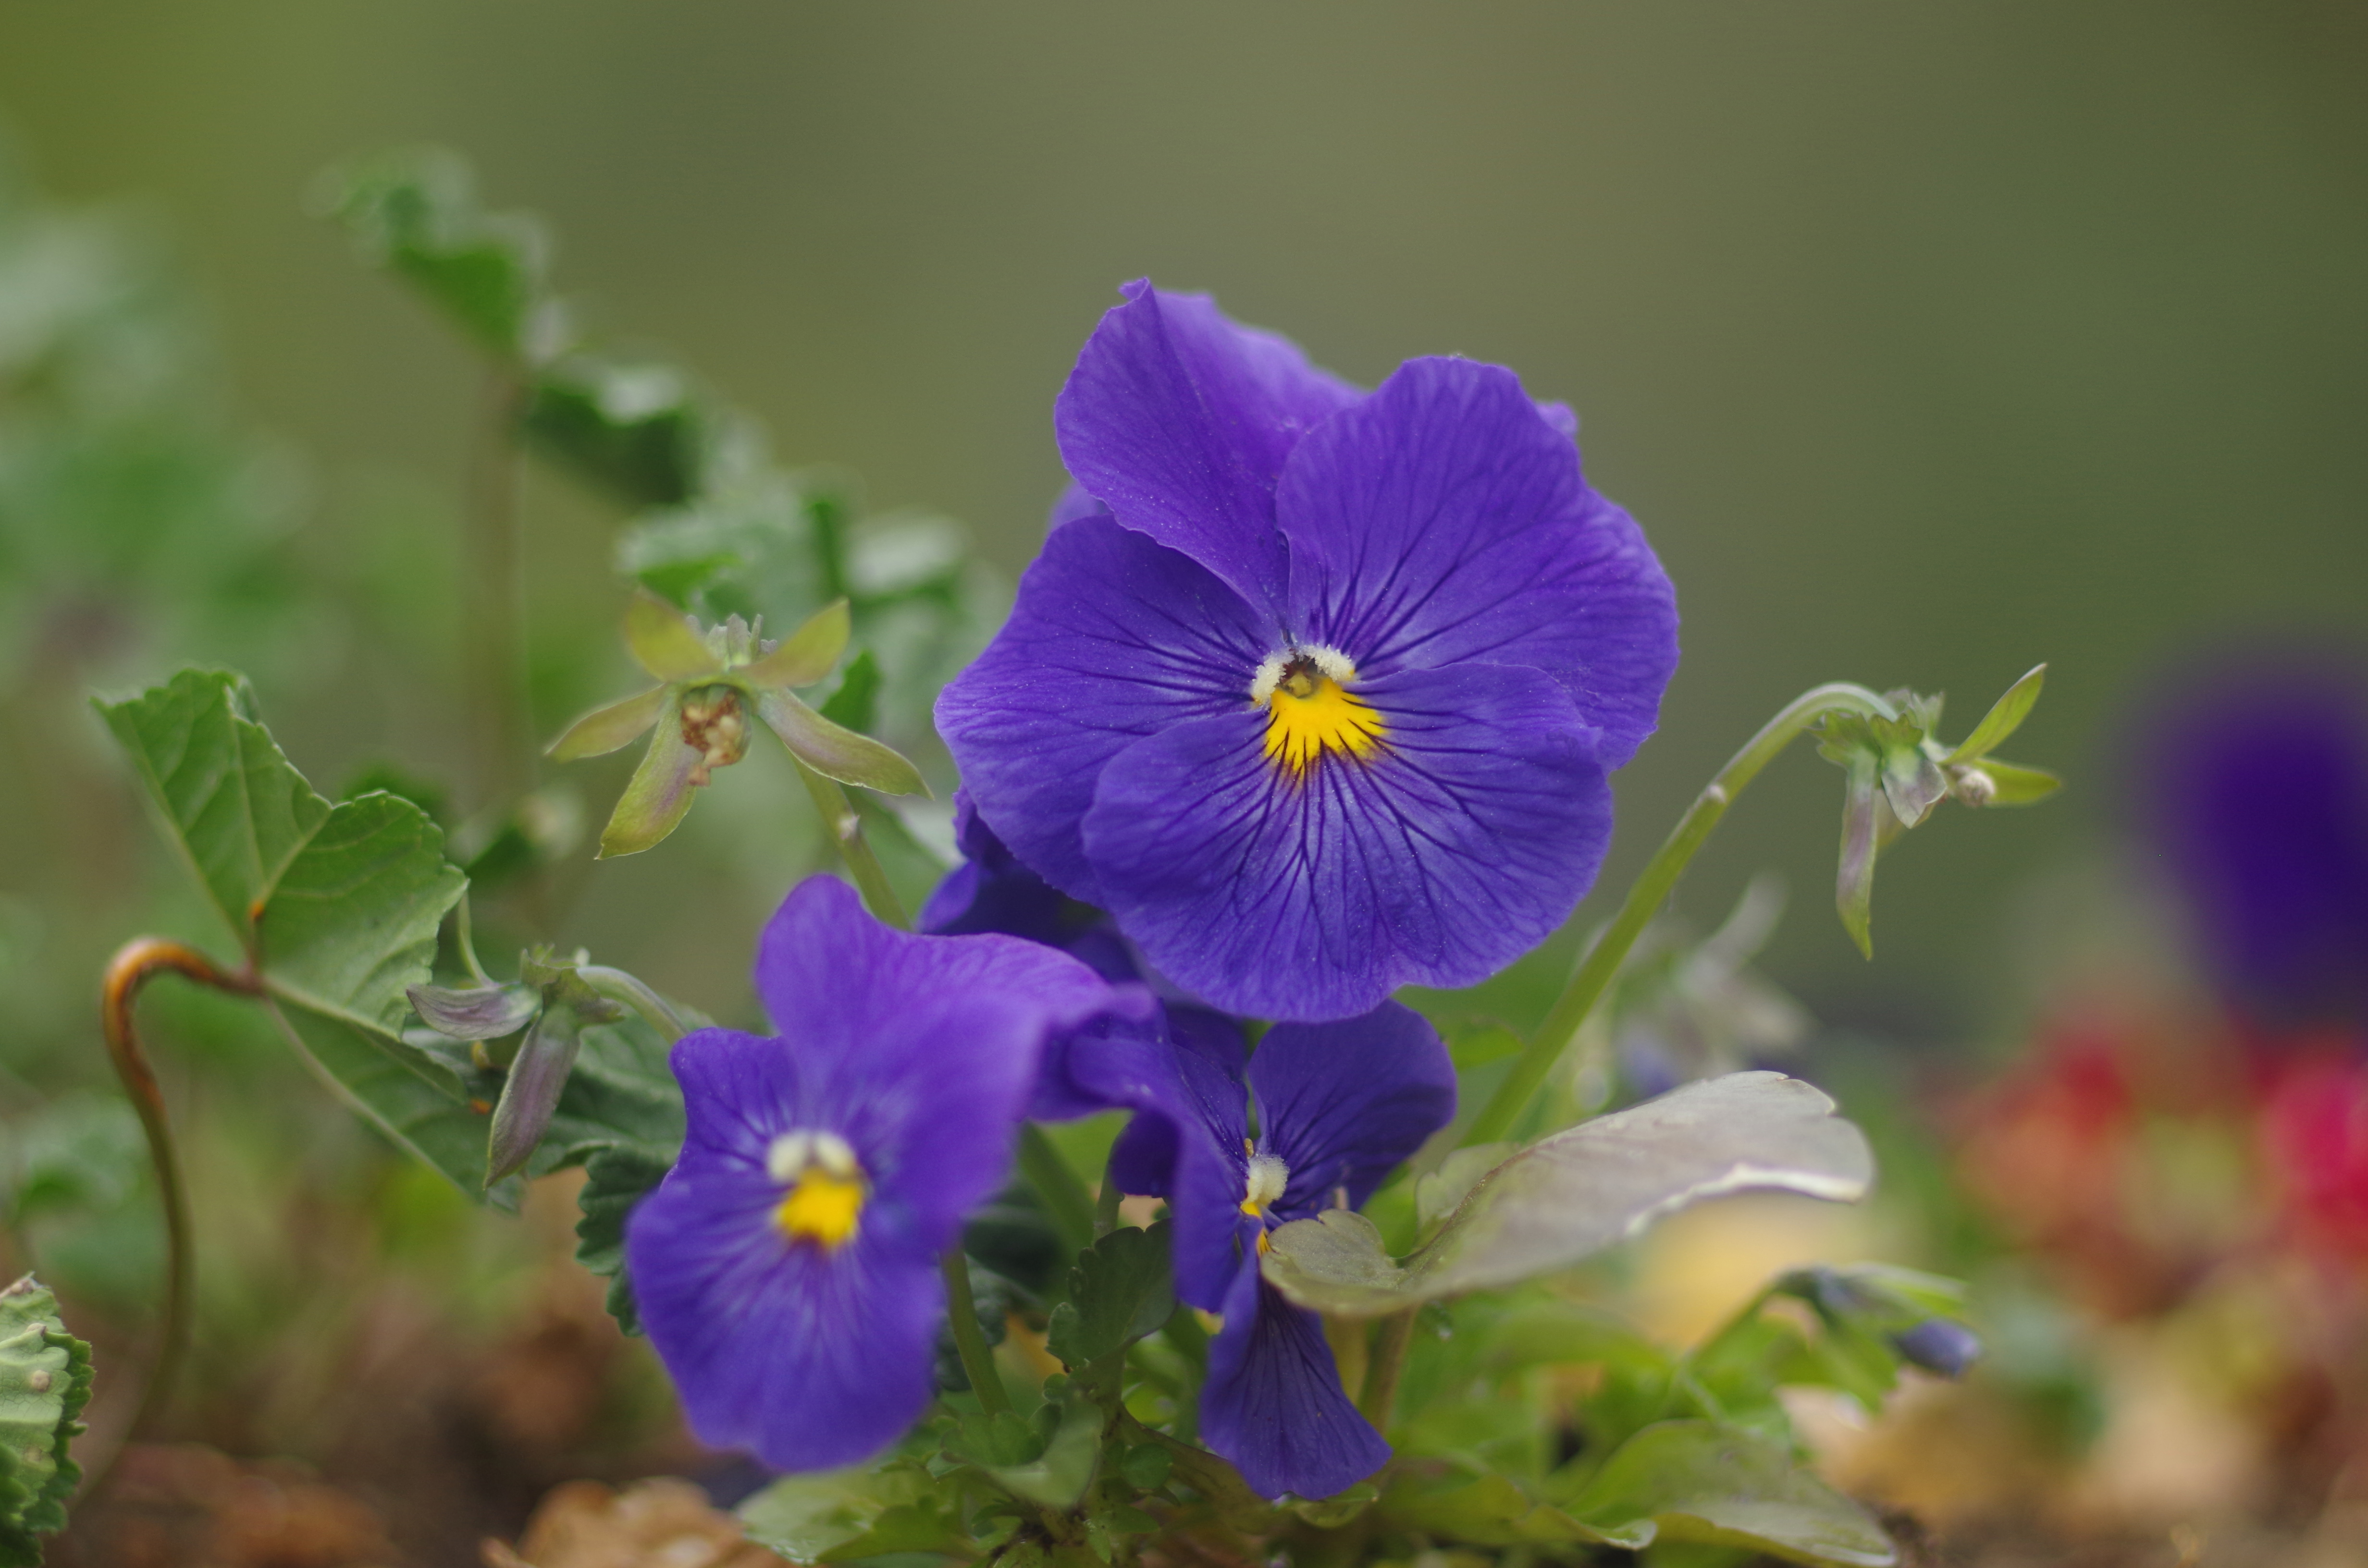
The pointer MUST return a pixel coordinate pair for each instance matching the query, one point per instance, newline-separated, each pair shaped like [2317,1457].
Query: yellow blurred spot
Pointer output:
[822,1207]
[1697,1268]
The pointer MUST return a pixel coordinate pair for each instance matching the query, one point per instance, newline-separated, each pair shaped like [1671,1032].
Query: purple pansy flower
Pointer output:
[2257,775]
[1338,1106]
[1314,690]
[787,1267]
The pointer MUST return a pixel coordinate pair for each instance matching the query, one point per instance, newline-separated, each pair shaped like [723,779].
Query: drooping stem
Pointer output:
[132,968]
[619,986]
[1392,1336]
[969,1344]
[1067,1201]
[1645,898]
[845,830]
[464,940]
[1107,1200]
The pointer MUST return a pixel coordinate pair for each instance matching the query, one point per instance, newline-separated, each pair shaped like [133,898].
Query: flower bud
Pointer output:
[1939,1344]
[1972,785]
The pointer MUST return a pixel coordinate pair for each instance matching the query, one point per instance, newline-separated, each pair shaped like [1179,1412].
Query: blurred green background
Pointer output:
[1927,341]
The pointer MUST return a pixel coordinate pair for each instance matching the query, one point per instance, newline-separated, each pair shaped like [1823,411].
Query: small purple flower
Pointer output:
[1338,1106]
[1314,690]
[787,1267]
[2257,795]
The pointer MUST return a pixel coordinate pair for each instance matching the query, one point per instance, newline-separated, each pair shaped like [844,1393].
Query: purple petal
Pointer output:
[1074,503]
[809,1359]
[991,890]
[1273,1405]
[1445,521]
[1112,638]
[919,1050]
[1179,421]
[1342,1103]
[1437,862]
[1191,1081]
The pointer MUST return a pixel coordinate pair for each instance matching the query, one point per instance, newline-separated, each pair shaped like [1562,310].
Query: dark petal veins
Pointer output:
[1438,863]
[1178,420]
[808,1359]
[919,1050]
[1112,638]
[1191,1082]
[1445,521]
[1342,1103]
[1273,1405]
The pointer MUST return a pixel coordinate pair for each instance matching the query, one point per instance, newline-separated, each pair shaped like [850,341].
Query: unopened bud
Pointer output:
[1972,785]
[715,725]
[1939,1344]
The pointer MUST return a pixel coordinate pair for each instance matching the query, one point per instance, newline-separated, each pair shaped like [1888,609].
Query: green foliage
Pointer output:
[1581,1190]
[78,1152]
[44,1382]
[414,213]
[1697,1481]
[336,908]
[1119,1292]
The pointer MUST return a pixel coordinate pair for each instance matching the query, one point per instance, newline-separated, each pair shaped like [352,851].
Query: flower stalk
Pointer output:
[134,964]
[1646,895]
[845,828]
[969,1344]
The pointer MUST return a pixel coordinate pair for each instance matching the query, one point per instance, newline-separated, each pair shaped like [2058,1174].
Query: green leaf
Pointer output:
[228,800]
[1119,1292]
[1582,1190]
[633,431]
[609,729]
[837,752]
[855,704]
[826,1515]
[1490,1511]
[617,1177]
[77,1151]
[1438,1194]
[415,213]
[2006,716]
[44,1383]
[2014,785]
[1695,1481]
[337,906]
[1058,1476]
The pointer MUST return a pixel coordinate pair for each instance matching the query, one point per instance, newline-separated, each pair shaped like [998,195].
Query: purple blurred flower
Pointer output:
[1338,1106]
[2256,775]
[787,1267]
[1317,694]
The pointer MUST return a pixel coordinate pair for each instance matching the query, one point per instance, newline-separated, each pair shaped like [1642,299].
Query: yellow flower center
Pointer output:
[1310,709]
[826,1187]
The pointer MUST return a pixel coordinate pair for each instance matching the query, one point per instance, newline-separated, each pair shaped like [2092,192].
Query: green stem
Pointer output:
[464,938]
[845,830]
[962,1315]
[619,986]
[1107,1200]
[1392,1337]
[1646,895]
[1065,1199]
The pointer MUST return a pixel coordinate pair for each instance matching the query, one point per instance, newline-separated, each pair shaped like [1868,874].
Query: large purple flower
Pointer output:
[1338,1106]
[787,1267]
[1319,699]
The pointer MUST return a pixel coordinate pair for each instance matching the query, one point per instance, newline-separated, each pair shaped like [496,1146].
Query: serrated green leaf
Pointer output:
[837,752]
[227,798]
[2006,716]
[1582,1190]
[1695,1481]
[45,1376]
[1060,1474]
[1119,1292]
[414,213]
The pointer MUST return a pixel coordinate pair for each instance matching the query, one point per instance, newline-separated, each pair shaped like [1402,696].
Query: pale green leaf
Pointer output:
[659,793]
[1581,1190]
[2006,715]
[1694,1480]
[810,1517]
[2019,786]
[1438,1193]
[1058,1476]
[605,730]
[667,642]
[837,752]
[806,654]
